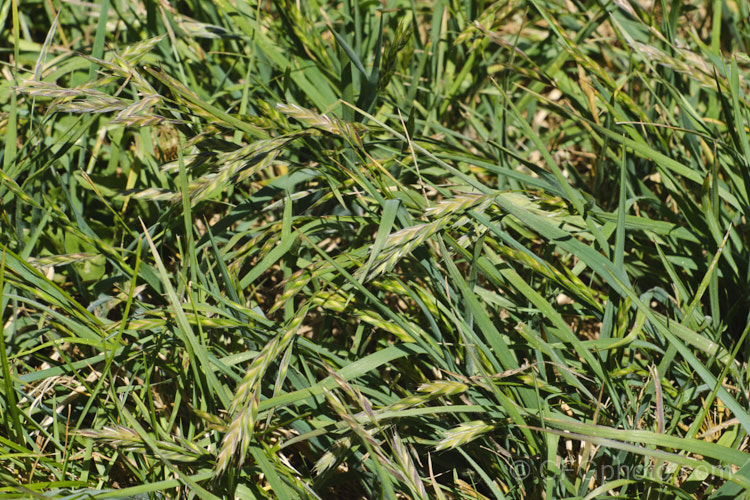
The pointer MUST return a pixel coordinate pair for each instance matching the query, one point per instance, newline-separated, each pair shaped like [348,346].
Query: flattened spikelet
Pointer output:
[463,434]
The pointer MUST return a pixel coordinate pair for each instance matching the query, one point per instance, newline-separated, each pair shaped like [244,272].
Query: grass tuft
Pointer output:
[415,250]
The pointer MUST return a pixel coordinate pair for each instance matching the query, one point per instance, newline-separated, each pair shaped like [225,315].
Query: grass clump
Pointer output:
[441,249]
